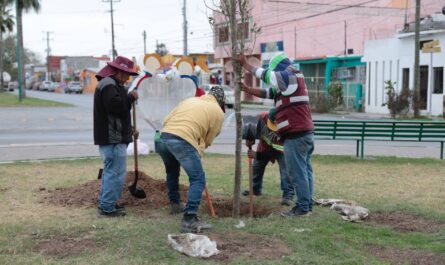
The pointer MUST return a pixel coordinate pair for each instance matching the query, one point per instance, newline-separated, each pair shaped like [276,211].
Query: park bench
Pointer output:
[374,130]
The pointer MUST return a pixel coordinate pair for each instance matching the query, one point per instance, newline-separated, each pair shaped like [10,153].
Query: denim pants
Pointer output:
[114,157]
[175,152]
[258,168]
[297,154]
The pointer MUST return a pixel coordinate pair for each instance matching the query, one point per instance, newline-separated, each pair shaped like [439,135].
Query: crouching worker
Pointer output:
[113,132]
[269,149]
[187,131]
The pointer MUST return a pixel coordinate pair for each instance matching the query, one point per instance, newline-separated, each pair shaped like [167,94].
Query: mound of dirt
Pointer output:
[223,208]
[64,246]
[248,246]
[404,222]
[86,194]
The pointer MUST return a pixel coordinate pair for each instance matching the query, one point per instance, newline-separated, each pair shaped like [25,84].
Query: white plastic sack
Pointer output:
[193,245]
[352,213]
[143,148]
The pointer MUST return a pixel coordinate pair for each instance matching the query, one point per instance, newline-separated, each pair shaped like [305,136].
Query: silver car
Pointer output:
[74,87]
[228,91]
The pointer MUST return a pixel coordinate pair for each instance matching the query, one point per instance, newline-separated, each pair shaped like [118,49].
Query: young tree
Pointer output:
[6,24]
[234,13]
[22,5]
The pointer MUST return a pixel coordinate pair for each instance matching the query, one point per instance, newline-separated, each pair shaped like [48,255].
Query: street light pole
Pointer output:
[416,62]
[113,49]
[19,65]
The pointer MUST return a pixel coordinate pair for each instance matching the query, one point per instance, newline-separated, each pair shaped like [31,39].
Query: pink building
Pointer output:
[309,29]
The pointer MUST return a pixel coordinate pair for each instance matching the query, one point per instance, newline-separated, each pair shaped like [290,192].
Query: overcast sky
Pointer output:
[83,27]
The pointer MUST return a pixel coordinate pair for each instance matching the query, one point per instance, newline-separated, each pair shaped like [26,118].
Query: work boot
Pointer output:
[117,213]
[295,212]
[256,193]
[192,224]
[176,208]
[286,201]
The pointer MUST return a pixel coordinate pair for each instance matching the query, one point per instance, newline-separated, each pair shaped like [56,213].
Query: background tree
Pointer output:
[6,25]
[26,6]
[161,49]
[10,56]
[235,14]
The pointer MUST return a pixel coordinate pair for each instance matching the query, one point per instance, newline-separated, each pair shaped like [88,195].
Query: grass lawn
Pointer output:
[32,230]
[10,100]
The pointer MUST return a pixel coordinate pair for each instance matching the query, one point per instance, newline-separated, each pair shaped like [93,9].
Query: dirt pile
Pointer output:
[404,222]
[64,246]
[223,208]
[86,194]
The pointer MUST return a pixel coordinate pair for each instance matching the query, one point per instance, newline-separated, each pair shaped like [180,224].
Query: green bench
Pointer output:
[374,130]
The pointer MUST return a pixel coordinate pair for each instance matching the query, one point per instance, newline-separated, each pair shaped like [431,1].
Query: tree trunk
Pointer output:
[2,87]
[21,65]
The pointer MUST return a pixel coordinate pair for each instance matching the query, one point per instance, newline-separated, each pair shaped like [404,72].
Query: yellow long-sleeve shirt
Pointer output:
[197,120]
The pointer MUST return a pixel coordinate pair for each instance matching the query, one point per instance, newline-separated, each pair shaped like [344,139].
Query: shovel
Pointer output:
[134,190]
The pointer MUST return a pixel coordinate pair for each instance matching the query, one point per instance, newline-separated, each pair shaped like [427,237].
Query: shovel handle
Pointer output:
[209,202]
[250,186]
[135,145]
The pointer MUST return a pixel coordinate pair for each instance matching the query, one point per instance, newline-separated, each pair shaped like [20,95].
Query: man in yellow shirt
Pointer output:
[188,130]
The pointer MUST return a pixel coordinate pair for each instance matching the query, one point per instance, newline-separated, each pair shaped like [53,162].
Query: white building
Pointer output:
[393,59]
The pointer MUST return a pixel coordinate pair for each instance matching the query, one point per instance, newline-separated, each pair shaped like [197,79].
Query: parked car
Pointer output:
[53,86]
[46,86]
[12,85]
[228,91]
[74,87]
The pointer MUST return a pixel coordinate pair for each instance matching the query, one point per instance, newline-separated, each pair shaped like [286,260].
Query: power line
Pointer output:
[320,14]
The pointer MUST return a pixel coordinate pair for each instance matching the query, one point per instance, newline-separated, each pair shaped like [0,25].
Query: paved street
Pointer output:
[67,132]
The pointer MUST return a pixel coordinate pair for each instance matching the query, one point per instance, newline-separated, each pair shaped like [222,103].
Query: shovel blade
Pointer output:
[137,192]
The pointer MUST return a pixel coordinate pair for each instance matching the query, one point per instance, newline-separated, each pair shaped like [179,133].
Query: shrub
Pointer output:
[335,91]
[398,104]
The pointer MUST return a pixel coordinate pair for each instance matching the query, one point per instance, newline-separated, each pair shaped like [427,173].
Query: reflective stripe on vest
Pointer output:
[274,146]
[282,124]
[293,100]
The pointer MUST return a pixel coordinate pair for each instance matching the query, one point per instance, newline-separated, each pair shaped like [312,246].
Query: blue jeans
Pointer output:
[258,168]
[114,157]
[175,152]
[297,153]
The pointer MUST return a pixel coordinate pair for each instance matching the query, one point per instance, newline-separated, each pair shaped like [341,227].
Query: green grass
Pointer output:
[10,100]
[384,184]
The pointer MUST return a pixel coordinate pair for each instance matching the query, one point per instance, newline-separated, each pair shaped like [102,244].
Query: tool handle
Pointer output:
[135,145]
[209,202]
[250,186]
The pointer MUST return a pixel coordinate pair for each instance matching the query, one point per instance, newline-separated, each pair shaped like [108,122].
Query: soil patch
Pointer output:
[223,208]
[248,246]
[86,194]
[4,189]
[64,246]
[404,222]
[407,256]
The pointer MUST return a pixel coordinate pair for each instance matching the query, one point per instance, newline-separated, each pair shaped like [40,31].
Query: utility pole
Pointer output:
[346,46]
[144,35]
[416,99]
[113,49]
[184,14]
[48,53]
[295,43]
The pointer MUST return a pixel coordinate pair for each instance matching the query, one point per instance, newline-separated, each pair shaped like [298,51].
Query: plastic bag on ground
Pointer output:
[193,245]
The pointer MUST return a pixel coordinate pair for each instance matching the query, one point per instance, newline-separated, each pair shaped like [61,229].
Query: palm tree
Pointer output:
[23,5]
[6,24]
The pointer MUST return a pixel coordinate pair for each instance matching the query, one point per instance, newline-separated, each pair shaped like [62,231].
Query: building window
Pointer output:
[438,80]
[223,33]
[405,79]
[244,30]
